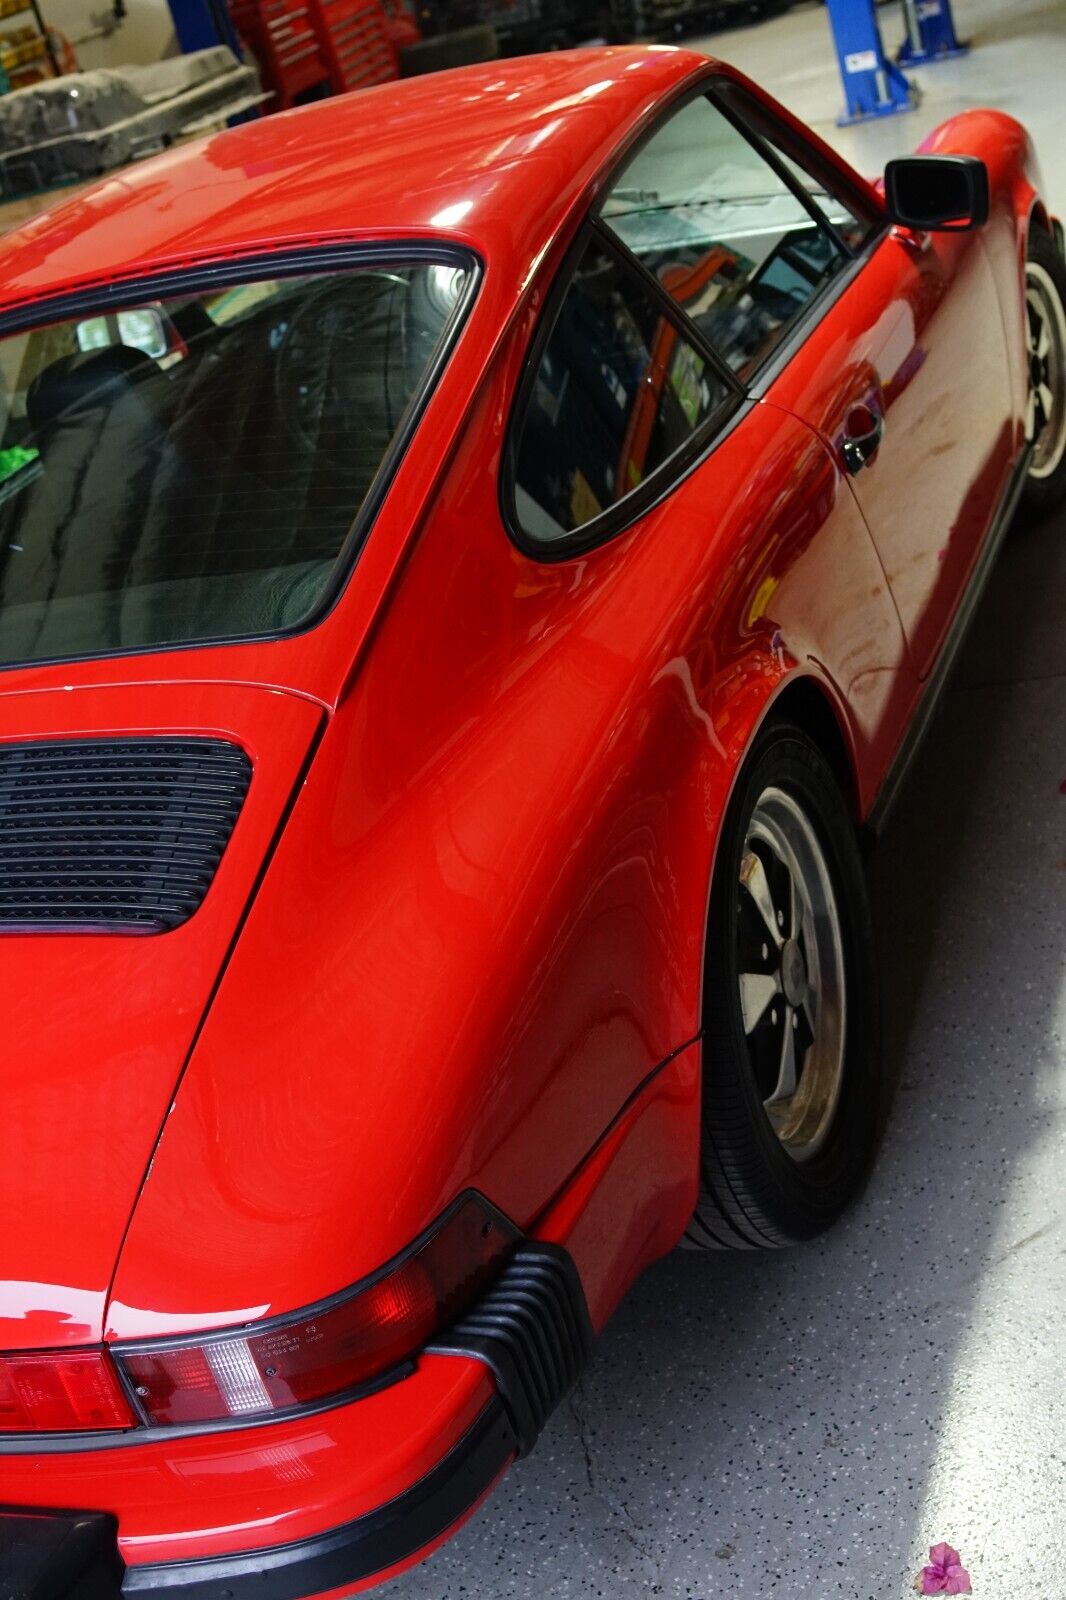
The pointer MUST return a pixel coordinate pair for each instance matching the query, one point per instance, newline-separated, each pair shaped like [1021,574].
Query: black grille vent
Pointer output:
[114,834]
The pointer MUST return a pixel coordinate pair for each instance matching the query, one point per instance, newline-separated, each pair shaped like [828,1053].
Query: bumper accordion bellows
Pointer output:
[532,1329]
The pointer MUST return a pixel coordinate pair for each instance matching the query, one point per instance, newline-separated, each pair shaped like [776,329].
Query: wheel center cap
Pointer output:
[793,972]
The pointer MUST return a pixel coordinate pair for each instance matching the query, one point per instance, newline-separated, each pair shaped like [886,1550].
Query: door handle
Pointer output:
[863,432]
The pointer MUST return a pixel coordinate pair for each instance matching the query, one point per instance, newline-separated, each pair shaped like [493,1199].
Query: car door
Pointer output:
[905,376]
[753,262]
[683,549]
[683,281]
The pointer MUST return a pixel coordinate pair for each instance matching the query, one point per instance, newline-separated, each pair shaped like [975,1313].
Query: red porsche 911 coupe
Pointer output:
[475,558]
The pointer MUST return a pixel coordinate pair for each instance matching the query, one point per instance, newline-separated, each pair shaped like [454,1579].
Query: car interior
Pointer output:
[201,481]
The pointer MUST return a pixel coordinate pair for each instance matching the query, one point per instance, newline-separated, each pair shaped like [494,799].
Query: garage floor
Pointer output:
[803,1425]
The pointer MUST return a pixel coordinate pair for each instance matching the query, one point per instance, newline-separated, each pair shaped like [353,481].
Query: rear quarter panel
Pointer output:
[483,928]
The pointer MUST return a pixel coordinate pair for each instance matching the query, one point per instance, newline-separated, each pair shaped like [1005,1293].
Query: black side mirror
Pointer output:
[937,194]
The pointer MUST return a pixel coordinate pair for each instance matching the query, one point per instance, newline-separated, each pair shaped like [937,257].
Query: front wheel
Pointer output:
[1045,422]
[793,1083]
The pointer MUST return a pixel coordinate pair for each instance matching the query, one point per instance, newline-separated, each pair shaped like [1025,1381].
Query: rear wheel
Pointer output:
[1045,422]
[793,1086]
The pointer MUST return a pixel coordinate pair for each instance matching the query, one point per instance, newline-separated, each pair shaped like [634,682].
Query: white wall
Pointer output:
[146,35]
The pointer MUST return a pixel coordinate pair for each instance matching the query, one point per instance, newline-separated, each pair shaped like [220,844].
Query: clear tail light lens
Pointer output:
[339,1345]
[61,1392]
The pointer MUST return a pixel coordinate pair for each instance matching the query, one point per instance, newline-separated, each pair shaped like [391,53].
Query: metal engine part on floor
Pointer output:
[85,123]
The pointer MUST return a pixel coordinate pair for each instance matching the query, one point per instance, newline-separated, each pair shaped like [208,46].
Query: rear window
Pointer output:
[190,468]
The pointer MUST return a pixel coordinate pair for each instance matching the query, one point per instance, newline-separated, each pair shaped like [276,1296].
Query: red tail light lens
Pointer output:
[331,1348]
[61,1392]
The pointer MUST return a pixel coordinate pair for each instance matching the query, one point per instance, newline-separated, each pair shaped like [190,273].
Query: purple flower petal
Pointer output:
[958,1580]
[932,1582]
[942,1555]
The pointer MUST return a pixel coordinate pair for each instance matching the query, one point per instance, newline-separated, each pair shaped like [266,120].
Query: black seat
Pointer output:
[87,378]
[99,421]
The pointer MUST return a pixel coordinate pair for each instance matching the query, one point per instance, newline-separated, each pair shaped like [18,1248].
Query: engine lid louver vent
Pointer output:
[114,835]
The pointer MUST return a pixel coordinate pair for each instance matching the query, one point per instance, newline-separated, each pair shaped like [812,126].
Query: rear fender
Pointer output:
[482,932]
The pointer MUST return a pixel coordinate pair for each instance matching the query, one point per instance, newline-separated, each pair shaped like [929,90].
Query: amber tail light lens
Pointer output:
[61,1392]
[328,1349]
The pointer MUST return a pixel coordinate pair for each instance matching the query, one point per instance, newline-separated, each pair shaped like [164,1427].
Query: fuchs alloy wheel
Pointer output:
[1045,423]
[793,1083]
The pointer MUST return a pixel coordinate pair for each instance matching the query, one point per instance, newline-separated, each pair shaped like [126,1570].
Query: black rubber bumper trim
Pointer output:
[355,1551]
[58,1555]
[532,1329]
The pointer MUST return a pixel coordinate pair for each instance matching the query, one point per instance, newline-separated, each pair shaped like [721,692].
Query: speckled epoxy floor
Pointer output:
[803,1425]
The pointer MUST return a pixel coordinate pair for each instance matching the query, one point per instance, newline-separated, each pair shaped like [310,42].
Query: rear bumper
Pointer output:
[364,1549]
[71,1556]
[347,1496]
[523,1346]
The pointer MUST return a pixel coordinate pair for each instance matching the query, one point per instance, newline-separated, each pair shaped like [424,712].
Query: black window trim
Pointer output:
[758,124]
[746,117]
[778,358]
[674,313]
[99,299]
[722,90]
[766,152]
[744,394]
[655,487]
[716,87]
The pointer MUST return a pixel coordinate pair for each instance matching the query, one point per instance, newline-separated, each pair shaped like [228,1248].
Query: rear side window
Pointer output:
[726,236]
[190,468]
[617,393]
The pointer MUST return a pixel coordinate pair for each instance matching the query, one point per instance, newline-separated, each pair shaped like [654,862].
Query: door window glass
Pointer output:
[852,229]
[618,392]
[725,235]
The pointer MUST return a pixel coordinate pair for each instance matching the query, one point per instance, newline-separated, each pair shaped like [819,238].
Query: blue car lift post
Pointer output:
[930,33]
[873,85]
[199,24]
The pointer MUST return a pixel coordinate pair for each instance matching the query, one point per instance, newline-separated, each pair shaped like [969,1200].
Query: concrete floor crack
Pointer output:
[622,1517]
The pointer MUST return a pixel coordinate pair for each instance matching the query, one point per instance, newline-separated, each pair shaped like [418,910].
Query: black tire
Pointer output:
[1045,486]
[754,1193]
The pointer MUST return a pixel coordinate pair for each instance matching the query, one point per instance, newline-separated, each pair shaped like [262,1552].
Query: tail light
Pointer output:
[61,1392]
[325,1352]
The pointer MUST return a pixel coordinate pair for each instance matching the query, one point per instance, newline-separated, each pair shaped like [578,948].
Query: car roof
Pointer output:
[492,156]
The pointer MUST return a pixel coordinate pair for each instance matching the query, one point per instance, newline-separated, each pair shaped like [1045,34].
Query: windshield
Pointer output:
[190,468]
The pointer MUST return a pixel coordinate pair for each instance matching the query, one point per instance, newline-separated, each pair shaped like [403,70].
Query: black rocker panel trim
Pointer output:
[532,1329]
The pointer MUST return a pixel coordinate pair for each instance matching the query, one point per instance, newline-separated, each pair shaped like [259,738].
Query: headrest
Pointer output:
[87,378]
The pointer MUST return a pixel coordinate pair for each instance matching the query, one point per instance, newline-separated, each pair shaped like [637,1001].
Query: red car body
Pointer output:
[456,940]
